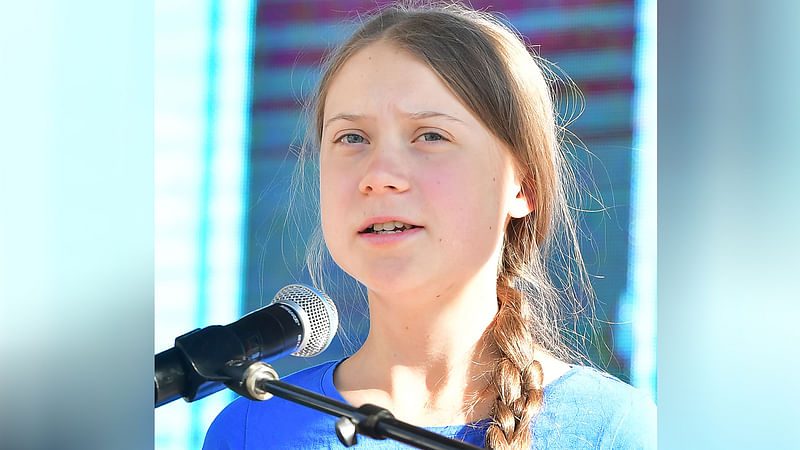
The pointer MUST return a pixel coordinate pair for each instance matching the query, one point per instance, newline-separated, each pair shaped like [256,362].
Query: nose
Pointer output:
[385,172]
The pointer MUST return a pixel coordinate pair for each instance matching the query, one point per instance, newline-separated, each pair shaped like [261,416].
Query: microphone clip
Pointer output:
[194,367]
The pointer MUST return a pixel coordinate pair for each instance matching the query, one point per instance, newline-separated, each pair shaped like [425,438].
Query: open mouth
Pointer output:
[388,228]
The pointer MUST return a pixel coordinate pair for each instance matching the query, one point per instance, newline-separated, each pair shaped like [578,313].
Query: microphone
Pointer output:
[300,320]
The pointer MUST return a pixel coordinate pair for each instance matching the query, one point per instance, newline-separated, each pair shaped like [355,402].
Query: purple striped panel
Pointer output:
[281,12]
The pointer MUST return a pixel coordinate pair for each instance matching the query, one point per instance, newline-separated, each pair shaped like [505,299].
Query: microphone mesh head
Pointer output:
[323,318]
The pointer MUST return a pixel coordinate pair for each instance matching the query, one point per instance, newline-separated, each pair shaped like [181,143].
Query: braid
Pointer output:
[517,377]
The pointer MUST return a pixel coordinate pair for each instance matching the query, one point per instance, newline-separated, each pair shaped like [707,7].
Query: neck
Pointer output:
[424,348]
[423,329]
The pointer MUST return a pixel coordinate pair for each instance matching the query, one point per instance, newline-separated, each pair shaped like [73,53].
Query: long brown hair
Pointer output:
[542,280]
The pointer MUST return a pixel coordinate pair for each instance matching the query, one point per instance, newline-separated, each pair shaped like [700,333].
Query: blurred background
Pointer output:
[230,81]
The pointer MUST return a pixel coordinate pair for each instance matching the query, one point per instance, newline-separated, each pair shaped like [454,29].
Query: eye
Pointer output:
[431,137]
[351,138]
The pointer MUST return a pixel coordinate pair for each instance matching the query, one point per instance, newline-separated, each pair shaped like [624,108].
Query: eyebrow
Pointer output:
[413,116]
[428,114]
[343,116]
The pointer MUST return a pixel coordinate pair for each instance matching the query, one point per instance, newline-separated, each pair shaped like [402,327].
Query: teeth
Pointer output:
[390,227]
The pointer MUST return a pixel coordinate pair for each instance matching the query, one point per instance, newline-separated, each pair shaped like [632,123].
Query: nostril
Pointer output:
[378,186]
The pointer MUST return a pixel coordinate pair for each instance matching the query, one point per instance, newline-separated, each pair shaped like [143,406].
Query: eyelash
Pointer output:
[341,138]
[431,133]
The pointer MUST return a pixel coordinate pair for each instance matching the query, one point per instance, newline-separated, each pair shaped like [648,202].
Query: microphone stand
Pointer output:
[257,380]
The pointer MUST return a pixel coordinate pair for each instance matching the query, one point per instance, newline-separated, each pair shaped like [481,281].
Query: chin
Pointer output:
[390,282]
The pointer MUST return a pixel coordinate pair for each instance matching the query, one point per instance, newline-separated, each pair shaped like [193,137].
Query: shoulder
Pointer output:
[318,378]
[269,424]
[587,408]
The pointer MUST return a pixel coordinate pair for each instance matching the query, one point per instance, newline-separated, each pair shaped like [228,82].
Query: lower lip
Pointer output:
[389,238]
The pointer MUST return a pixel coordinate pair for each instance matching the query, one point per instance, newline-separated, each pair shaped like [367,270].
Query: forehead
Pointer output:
[382,77]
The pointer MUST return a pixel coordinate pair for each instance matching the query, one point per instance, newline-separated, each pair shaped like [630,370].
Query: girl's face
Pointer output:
[415,191]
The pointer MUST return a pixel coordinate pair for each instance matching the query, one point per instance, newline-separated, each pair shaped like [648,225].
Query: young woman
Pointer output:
[443,190]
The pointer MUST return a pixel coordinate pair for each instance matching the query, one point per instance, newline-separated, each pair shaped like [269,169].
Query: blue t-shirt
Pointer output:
[583,409]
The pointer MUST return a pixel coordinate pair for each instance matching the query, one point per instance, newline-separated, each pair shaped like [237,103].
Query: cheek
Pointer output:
[339,212]
[466,198]
[330,202]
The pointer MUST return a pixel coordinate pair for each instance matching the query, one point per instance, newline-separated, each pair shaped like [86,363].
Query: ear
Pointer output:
[521,205]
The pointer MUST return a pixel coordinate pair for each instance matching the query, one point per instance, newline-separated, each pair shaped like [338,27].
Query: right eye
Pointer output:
[351,138]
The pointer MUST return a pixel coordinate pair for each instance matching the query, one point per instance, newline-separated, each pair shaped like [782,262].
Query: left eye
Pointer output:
[430,137]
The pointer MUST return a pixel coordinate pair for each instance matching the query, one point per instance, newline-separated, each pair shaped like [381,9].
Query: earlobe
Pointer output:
[521,205]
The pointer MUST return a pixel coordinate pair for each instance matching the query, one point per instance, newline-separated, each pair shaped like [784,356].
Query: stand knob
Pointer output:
[346,432]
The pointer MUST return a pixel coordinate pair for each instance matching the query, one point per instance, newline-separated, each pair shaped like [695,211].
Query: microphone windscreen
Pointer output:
[321,314]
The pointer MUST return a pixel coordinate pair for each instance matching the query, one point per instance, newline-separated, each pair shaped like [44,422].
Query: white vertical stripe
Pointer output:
[183,43]
[640,296]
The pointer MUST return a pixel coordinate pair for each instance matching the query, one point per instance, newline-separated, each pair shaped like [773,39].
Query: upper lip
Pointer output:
[383,219]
